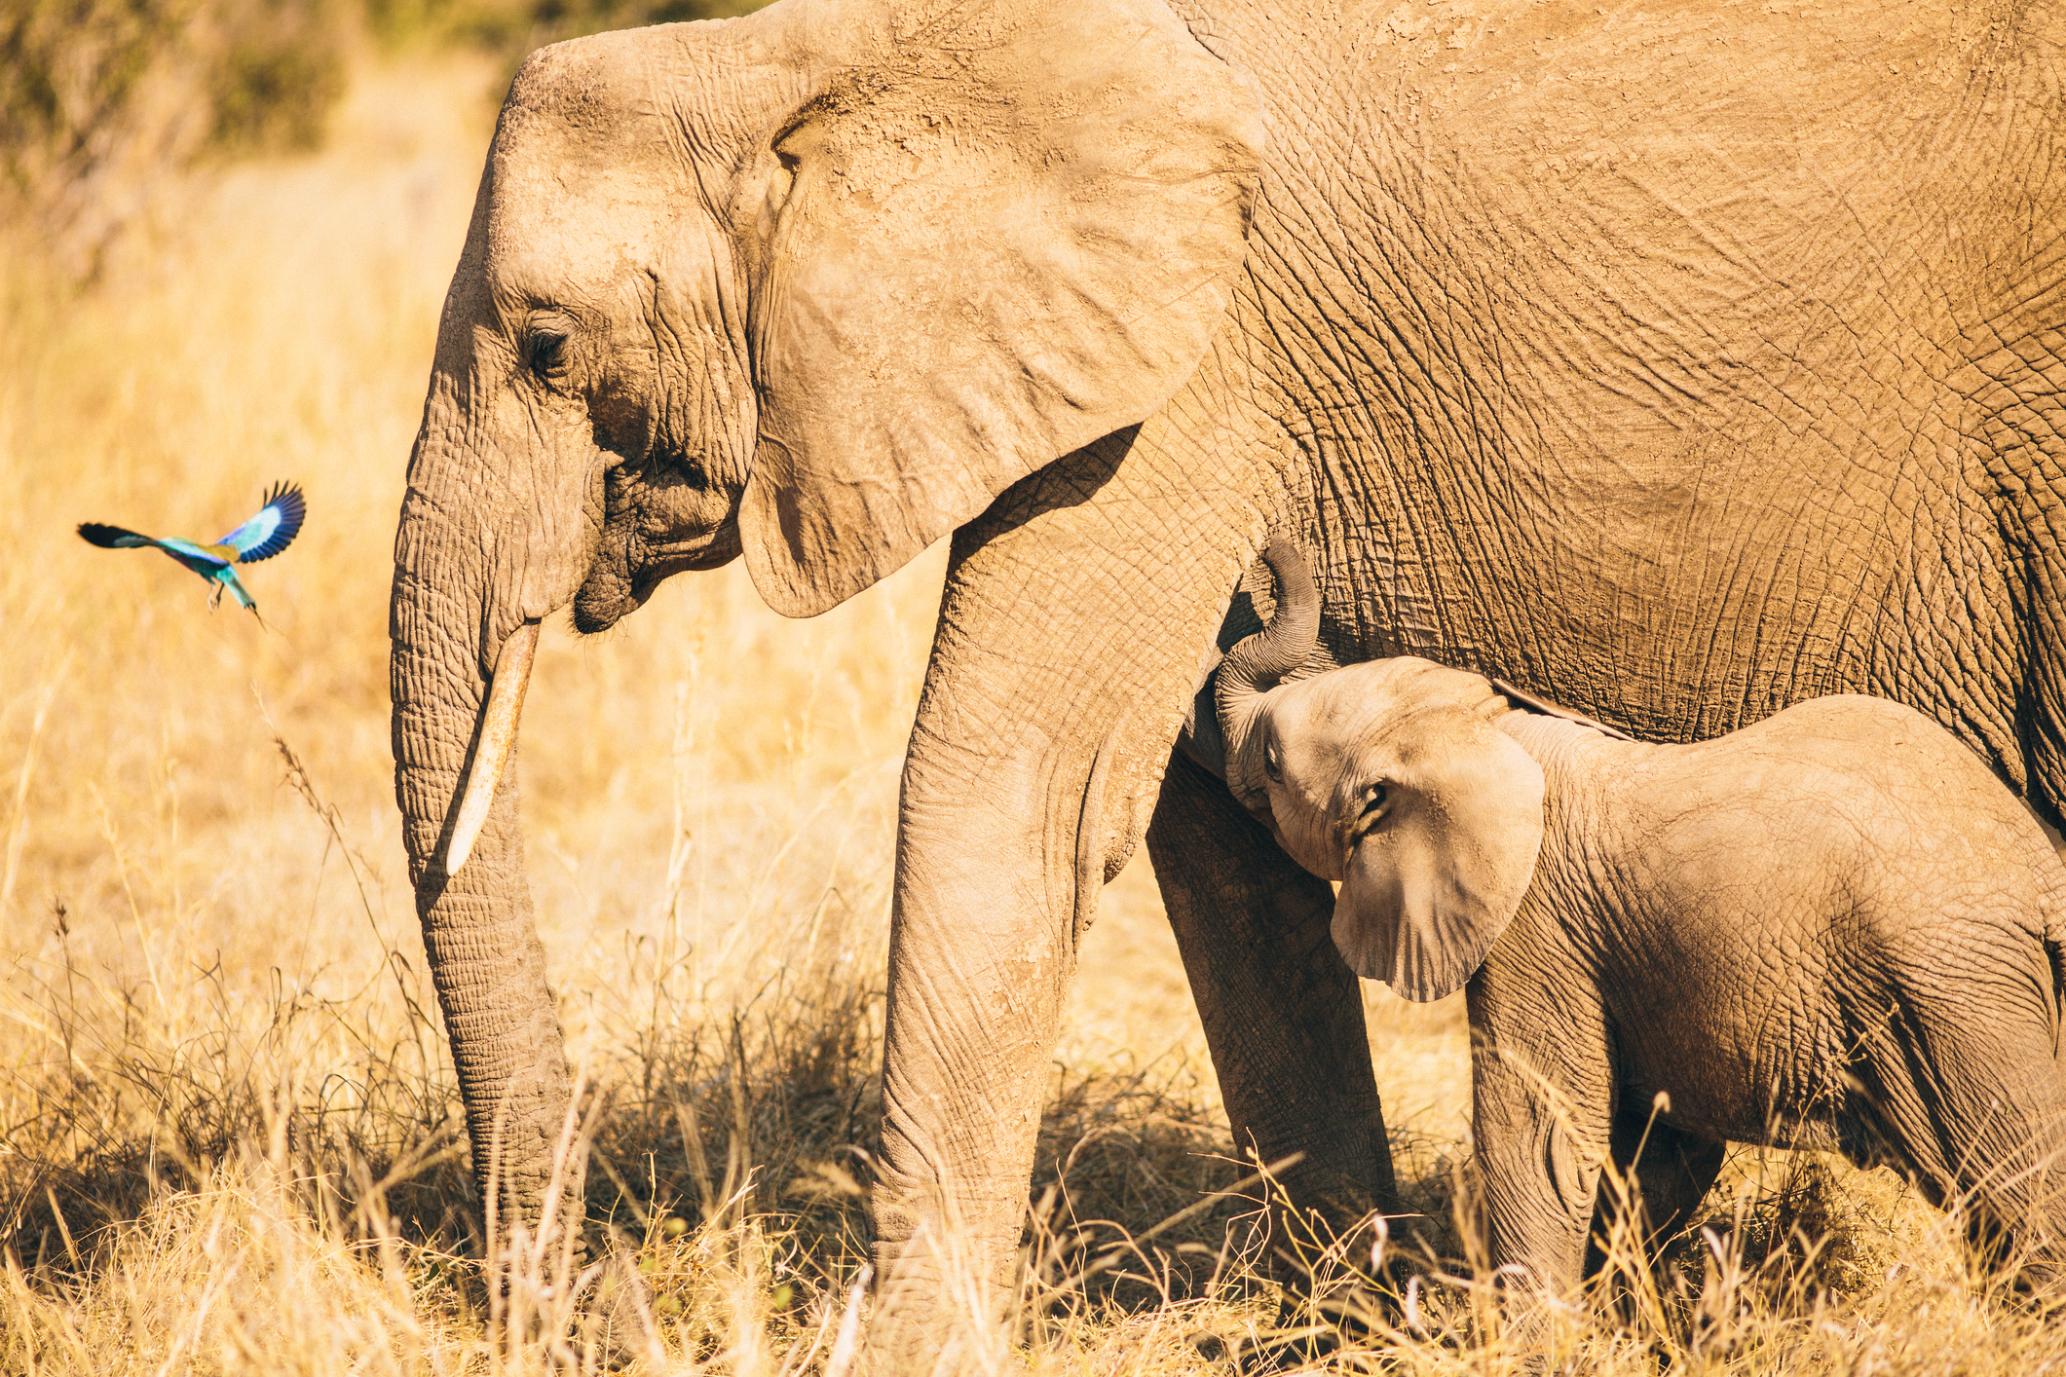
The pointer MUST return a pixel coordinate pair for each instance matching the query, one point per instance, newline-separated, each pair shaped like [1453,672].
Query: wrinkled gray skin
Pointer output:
[1833,929]
[1678,365]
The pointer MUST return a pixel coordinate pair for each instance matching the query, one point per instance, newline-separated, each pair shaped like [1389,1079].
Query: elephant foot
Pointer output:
[941,1291]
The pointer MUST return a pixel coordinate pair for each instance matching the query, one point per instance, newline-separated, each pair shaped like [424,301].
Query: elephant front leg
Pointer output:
[1541,1116]
[1282,1013]
[1066,653]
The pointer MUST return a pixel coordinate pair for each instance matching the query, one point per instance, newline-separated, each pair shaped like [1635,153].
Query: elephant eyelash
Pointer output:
[1352,830]
[545,352]
[1273,767]
[1372,815]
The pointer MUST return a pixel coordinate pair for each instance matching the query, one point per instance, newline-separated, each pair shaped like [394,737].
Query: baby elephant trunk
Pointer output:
[1256,663]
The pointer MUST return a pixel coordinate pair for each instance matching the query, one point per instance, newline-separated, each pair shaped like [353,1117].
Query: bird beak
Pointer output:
[494,739]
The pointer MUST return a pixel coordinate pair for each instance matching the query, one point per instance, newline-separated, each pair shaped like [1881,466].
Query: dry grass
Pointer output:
[227,1129]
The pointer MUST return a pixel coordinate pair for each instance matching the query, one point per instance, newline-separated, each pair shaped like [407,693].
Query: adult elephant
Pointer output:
[1678,361]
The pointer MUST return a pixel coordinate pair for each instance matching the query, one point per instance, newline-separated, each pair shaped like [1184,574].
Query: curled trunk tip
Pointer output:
[1291,636]
[1256,663]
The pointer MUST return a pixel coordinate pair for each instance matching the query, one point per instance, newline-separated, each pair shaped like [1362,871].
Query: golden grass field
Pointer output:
[228,1131]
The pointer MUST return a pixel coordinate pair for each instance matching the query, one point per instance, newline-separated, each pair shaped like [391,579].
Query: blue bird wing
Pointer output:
[272,529]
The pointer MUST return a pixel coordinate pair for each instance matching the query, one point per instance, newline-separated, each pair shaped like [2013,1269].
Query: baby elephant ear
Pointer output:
[1431,887]
[1011,229]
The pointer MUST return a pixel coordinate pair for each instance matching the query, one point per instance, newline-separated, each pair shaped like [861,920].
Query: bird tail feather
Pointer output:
[112,537]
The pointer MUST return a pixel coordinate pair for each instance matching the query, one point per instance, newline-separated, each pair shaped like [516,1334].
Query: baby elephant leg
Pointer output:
[1542,1137]
[1973,1099]
[1661,1174]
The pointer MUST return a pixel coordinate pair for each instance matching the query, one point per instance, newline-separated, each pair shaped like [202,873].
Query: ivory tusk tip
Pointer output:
[494,743]
[466,828]
[459,850]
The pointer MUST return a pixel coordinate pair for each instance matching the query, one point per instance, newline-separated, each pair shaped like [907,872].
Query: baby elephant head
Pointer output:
[1393,777]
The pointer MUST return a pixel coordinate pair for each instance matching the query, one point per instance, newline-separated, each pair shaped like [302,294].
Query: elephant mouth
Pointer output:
[617,587]
[602,602]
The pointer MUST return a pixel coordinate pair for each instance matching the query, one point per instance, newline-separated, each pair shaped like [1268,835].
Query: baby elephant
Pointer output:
[1834,929]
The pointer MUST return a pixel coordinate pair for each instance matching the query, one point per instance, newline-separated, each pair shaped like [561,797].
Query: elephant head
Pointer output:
[1393,777]
[812,285]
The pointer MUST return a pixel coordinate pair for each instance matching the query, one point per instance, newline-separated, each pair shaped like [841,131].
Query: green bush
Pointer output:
[514,27]
[79,78]
[98,98]
[274,87]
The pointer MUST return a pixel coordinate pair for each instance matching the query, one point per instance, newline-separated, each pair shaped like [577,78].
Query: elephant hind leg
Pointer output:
[2012,1182]
[1283,1016]
[1977,1111]
[1660,1176]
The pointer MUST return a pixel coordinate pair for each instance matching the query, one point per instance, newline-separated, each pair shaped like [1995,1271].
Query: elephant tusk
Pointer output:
[493,743]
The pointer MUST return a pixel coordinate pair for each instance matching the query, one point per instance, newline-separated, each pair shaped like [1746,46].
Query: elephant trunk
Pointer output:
[1257,662]
[453,598]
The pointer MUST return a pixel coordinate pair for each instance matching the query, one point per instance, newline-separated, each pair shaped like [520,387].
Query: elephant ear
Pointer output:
[1010,228]
[1429,889]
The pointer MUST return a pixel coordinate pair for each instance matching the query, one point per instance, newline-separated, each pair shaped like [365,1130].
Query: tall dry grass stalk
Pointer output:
[228,1133]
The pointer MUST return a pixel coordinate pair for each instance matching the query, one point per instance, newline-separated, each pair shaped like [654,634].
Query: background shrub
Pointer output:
[100,99]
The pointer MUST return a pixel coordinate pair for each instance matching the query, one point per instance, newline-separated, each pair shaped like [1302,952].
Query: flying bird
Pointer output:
[270,530]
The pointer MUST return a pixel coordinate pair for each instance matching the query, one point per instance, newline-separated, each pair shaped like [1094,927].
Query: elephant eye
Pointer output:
[1272,765]
[545,352]
[1374,803]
